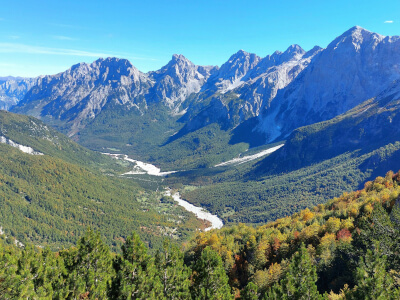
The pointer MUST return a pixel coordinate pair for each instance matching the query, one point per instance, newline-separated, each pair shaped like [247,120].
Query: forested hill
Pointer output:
[52,189]
[31,132]
[344,249]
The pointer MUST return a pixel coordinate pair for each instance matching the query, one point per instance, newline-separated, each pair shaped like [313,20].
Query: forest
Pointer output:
[238,194]
[51,202]
[344,249]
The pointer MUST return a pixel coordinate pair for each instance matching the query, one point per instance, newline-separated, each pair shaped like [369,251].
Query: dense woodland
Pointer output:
[52,202]
[344,249]
[237,194]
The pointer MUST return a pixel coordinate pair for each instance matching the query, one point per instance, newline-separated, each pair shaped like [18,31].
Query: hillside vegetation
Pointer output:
[357,229]
[344,249]
[49,202]
[51,199]
[239,194]
[29,131]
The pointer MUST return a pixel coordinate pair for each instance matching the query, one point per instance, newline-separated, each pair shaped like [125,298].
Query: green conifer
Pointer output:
[137,276]
[172,271]
[209,278]
[250,292]
[90,267]
[300,280]
[373,281]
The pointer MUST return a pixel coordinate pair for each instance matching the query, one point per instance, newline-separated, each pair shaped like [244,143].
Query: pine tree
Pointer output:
[172,271]
[51,276]
[23,285]
[89,266]
[9,279]
[300,280]
[373,281]
[136,273]
[209,278]
[250,292]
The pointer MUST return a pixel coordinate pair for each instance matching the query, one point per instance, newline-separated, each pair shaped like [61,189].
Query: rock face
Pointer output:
[356,66]
[247,84]
[177,80]
[82,91]
[273,73]
[233,73]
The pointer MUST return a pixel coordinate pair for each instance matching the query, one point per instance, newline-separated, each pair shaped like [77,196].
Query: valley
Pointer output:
[263,167]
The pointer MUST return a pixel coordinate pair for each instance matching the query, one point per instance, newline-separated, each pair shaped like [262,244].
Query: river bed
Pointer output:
[201,213]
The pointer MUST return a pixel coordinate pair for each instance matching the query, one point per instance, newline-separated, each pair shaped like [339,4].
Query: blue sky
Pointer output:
[47,37]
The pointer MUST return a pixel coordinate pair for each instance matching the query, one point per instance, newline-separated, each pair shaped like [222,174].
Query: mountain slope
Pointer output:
[317,161]
[244,86]
[76,96]
[370,125]
[356,66]
[249,101]
[336,234]
[50,199]
[31,132]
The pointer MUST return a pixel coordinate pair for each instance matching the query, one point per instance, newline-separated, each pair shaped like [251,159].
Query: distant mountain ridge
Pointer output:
[13,90]
[248,96]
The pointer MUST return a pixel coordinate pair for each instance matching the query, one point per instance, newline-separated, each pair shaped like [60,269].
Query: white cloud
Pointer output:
[28,49]
[21,48]
[389,22]
[14,37]
[63,38]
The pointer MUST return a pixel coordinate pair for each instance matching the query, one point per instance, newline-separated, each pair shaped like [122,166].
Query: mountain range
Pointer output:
[252,99]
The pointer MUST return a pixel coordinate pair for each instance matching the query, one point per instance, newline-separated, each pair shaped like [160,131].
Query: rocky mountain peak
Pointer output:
[179,58]
[313,51]
[179,64]
[241,56]
[177,80]
[294,49]
[355,37]
[356,66]
[292,52]
[115,67]
[235,69]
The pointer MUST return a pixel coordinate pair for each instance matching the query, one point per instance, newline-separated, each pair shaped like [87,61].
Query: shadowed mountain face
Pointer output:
[368,126]
[252,99]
